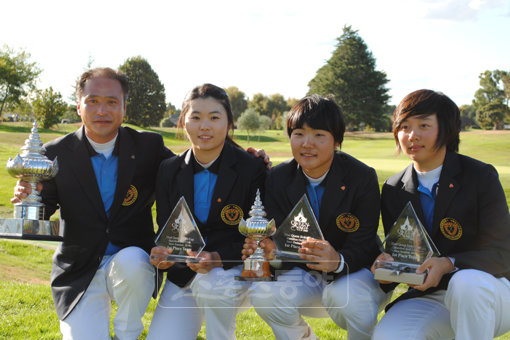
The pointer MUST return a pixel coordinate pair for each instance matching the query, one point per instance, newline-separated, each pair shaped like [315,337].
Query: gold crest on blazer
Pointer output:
[347,222]
[231,214]
[450,228]
[131,196]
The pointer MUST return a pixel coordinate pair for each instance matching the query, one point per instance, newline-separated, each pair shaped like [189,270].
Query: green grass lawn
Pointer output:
[26,304]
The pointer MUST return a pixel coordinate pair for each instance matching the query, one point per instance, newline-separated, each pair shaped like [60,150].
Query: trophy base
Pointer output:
[178,258]
[29,211]
[255,270]
[27,229]
[398,272]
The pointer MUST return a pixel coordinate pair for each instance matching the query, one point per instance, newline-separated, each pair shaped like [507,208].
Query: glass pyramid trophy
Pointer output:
[297,226]
[181,234]
[409,244]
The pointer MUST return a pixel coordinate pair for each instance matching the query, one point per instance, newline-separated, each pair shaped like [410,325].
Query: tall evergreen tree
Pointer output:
[351,78]
[146,104]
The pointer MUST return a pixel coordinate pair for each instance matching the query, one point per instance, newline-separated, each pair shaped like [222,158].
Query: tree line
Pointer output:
[349,76]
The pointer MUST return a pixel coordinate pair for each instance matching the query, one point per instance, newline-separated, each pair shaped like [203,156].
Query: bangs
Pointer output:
[314,119]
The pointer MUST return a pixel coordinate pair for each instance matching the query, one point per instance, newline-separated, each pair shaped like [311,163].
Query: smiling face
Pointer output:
[313,149]
[206,125]
[101,108]
[417,138]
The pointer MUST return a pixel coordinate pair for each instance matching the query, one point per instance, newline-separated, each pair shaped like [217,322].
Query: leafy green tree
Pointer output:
[276,105]
[249,121]
[468,117]
[491,88]
[259,104]
[146,99]
[48,107]
[351,78]
[505,78]
[491,101]
[17,76]
[285,115]
[265,123]
[278,122]
[291,102]
[238,101]
[492,115]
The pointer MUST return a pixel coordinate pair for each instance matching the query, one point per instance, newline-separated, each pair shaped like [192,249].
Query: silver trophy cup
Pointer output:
[31,166]
[256,266]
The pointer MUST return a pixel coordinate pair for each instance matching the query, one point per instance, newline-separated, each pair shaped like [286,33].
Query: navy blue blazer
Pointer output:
[240,175]
[351,192]
[87,228]
[471,219]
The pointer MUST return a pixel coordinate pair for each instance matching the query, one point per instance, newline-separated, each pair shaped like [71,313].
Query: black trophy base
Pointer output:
[27,229]
[398,272]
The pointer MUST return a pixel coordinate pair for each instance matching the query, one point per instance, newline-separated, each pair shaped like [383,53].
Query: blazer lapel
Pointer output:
[185,180]
[126,169]
[82,167]
[227,176]
[448,188]
[410,192]
[334,192]
[297,186]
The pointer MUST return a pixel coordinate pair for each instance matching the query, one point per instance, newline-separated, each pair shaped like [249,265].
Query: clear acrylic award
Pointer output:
[295,229]
[409,244]
[181,234]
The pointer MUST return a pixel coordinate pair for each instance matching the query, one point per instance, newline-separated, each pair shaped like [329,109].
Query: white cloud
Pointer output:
[460,10]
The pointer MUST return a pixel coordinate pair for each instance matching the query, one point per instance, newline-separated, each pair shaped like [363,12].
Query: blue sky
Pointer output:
[263,46]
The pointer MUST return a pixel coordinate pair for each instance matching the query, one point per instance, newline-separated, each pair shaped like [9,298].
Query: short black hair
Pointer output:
[102,72]
[428,102]
[318,112]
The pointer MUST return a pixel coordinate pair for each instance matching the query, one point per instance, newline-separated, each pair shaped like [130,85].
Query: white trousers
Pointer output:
[177,316]
[475,306]
[216,297]
[352,301]
[220,297]
[127,278]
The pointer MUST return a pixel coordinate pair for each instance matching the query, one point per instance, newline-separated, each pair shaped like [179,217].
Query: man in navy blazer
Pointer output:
[104,190]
